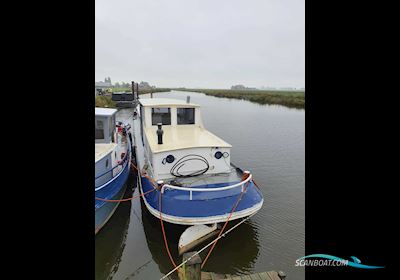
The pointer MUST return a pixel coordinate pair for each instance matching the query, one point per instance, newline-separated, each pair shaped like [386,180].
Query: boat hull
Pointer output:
[114,190]
[205,208]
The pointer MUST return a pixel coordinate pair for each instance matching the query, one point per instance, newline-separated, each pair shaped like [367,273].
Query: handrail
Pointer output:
[126,127]
[166,186]
[113,178]
[119,164]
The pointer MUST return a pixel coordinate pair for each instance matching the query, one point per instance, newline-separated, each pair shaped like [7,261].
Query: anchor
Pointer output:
[195,235]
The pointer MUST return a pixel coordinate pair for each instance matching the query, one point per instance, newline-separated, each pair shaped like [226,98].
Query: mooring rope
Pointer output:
[130,198]
[152,181]
[155,187]
[208,245]
[163,232]
[226,223]
[215,241]
[126,199]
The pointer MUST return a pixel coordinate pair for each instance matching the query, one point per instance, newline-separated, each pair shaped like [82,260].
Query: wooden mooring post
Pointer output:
[192,271]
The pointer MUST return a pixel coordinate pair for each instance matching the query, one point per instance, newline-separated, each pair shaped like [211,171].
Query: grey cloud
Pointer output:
[206,43]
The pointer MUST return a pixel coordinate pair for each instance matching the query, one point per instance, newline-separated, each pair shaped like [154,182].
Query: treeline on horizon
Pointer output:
[291,99]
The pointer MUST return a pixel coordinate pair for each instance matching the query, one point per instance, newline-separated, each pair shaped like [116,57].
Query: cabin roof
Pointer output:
[104,112]
[162,102]
[183,137]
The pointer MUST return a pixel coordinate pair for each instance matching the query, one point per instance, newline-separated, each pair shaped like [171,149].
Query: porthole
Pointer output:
[107,163]
[170,158]
[218,155]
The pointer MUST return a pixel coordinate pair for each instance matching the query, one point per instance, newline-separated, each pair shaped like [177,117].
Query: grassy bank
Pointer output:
[292,99]
[105,101]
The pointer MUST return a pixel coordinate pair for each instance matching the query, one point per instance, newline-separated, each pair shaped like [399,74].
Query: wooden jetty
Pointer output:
[192,271]
[269,275]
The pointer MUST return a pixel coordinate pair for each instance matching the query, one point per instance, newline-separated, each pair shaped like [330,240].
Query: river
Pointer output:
[269,141]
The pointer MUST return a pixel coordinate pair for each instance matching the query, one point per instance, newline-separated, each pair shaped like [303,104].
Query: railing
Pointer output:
[114,177]
[119,164]
[126,128]
[190,190]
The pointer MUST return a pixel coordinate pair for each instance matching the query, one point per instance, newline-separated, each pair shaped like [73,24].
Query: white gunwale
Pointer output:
[115,177]
[201,220]
[204,220]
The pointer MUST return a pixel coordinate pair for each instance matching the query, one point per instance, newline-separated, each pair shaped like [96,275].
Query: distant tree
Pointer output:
[144,85]
[238,87]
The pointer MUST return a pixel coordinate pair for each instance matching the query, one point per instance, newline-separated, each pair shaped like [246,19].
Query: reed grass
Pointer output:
[292,99]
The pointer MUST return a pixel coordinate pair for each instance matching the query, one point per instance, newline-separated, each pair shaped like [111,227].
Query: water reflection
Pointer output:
[242,244]
[110,241]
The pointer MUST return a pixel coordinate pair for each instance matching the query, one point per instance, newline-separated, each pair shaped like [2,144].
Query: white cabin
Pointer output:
[187,147]
[104,125]
[108,148]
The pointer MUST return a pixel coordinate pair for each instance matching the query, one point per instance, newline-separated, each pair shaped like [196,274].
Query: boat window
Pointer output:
[161,115]
[185,115]
[99,131]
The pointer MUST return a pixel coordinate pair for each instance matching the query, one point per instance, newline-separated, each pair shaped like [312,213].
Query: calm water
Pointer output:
[268,141]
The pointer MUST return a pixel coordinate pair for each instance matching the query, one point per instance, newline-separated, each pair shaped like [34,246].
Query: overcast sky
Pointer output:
[201,43]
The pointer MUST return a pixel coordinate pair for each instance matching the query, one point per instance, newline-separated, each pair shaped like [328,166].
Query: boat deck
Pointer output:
[235,175]
[101,150]
[183,137]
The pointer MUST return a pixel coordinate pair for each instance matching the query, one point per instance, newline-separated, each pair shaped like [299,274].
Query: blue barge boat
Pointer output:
[185,171]
[112,164]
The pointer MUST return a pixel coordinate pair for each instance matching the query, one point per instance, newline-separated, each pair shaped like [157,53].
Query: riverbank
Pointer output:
[104,102]
[291,99]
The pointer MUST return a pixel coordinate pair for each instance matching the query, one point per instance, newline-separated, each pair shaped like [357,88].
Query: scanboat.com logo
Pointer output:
[328,260]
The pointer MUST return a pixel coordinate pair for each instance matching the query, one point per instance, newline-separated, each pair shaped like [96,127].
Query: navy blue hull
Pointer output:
[205,207]
[114,190]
